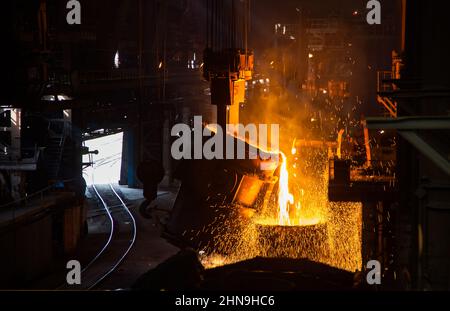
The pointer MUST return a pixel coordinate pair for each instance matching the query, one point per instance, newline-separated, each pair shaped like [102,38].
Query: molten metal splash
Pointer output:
[287,201]
[285,198]
[333,236]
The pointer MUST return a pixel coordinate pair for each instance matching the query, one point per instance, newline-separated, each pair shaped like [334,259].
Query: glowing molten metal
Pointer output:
[285,198]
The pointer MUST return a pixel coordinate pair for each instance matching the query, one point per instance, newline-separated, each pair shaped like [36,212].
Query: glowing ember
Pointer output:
[285,198]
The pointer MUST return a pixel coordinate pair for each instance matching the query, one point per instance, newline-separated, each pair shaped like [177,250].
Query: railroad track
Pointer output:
[122,236]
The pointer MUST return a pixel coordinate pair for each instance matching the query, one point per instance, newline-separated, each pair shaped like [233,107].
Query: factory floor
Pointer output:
[148,251]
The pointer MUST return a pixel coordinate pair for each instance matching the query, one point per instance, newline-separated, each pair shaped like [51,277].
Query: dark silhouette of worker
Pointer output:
[150,173]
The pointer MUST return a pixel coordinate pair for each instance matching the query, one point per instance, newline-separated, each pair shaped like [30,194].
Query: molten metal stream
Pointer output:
[322,231]
[285,198]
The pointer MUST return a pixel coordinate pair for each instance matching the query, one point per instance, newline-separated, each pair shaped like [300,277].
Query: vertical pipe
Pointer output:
[124,160]
[420,239]
[367,144]
[140,85]
[339,143]
[403,39]
[233,24]
[211,25]
[216,27]
[207,23]
[131,167]
[42,24]
[167,162]
[164,54]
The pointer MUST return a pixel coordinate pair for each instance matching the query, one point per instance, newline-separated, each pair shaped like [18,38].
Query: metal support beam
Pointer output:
[18,166]
[410,123]
[426,150]
[407,126]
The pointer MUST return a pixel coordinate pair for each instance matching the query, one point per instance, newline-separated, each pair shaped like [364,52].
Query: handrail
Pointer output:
[40,192]
[36,152]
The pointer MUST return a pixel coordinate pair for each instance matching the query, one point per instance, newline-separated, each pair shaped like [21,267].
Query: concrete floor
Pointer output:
[149,249]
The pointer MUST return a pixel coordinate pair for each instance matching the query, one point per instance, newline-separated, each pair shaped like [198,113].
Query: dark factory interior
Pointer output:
[264,145]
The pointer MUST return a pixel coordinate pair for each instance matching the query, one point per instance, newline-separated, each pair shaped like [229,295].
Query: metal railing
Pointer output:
[111,75]
[39,194]
[382,85]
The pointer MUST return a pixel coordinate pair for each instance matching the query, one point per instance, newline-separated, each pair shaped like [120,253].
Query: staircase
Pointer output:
[385,87]
[388,104]
[55,148]
[53,154]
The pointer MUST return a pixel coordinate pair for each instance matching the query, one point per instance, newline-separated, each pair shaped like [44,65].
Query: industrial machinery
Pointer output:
[217,191]
[216,197]
[338,190]
[228,61]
